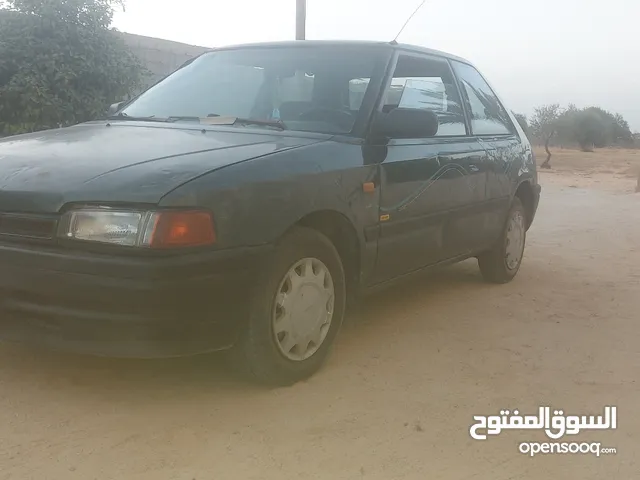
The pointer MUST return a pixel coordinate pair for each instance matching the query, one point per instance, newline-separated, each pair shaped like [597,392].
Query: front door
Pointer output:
[430,187]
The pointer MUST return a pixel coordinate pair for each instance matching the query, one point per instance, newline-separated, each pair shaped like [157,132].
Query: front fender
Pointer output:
[257,201]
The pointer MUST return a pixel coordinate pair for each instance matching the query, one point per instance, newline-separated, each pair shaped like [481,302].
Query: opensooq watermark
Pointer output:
[556,427]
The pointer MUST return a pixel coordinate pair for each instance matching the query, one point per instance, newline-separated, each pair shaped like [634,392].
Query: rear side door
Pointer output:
[492,126]
[430,187]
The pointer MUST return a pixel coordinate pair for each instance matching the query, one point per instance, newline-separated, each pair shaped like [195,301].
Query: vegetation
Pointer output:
[544,125]
[60,64]
[589,128]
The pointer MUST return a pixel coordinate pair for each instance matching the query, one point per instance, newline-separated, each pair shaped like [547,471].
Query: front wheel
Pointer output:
[296,309]
[502,262]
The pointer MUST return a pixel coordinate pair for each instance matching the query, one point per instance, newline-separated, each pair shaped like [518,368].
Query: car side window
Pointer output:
[488,116]
[426,83]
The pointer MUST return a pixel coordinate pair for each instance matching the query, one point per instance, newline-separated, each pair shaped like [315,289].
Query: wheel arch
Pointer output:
[343,234]
[525,194]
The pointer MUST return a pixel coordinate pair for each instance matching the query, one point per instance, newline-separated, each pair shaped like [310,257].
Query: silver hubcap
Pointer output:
[515,241]
[303,309]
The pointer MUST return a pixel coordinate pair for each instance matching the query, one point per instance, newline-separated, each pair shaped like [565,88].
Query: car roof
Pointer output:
[345,43]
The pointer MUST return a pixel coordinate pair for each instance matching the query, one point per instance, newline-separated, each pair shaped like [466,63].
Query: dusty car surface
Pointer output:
[245,200]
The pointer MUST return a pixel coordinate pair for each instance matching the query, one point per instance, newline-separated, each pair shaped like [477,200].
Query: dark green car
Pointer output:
[245,200]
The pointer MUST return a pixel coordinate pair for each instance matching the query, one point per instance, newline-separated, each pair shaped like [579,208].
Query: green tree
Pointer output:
[544,125]
[60,64]
[593,127]
[621,130]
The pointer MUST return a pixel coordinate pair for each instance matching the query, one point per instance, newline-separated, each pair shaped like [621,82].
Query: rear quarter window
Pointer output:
[488,116]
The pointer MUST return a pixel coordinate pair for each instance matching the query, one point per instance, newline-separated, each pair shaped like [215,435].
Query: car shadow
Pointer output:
[414,290]
[120,378]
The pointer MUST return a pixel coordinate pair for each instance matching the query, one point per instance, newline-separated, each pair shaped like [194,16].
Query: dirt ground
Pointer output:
[611,169]
[398,396]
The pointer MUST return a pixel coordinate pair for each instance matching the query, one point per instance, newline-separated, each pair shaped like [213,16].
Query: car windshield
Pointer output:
[316,89]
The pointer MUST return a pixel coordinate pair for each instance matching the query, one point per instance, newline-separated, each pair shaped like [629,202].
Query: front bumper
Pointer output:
[118,306]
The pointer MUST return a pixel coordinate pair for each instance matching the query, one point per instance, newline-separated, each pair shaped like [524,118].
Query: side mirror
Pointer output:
[113,109]
[406,123]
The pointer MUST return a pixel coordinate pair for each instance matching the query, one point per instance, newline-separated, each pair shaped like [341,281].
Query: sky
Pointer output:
[533,52]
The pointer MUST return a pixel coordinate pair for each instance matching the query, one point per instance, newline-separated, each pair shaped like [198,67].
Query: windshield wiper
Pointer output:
[182,118]
[215,119]
[124,116]
[211,119]
[153,118]
[267,123]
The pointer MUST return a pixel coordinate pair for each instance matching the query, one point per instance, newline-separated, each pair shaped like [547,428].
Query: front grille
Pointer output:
[28,226]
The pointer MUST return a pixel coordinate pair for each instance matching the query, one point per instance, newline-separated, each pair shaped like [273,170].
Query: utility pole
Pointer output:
[301,19]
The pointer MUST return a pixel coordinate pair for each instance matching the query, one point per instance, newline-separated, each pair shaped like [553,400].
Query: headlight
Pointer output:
[136,228]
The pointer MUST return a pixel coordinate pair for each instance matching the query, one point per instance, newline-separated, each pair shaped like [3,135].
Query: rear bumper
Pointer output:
[123,306]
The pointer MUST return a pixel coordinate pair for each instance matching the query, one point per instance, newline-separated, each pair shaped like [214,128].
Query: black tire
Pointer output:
[493,264]
[256,354]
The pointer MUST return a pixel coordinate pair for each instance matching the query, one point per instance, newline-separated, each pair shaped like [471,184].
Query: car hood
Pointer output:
[131,162]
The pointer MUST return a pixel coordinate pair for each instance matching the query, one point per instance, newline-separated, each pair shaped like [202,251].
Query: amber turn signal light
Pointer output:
[182,229]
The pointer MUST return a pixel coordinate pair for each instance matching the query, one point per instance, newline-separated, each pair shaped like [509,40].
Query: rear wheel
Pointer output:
[502,262]
[296,310]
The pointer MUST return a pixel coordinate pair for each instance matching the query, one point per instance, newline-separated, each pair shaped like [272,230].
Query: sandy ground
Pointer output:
[397,397]
[612,170]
